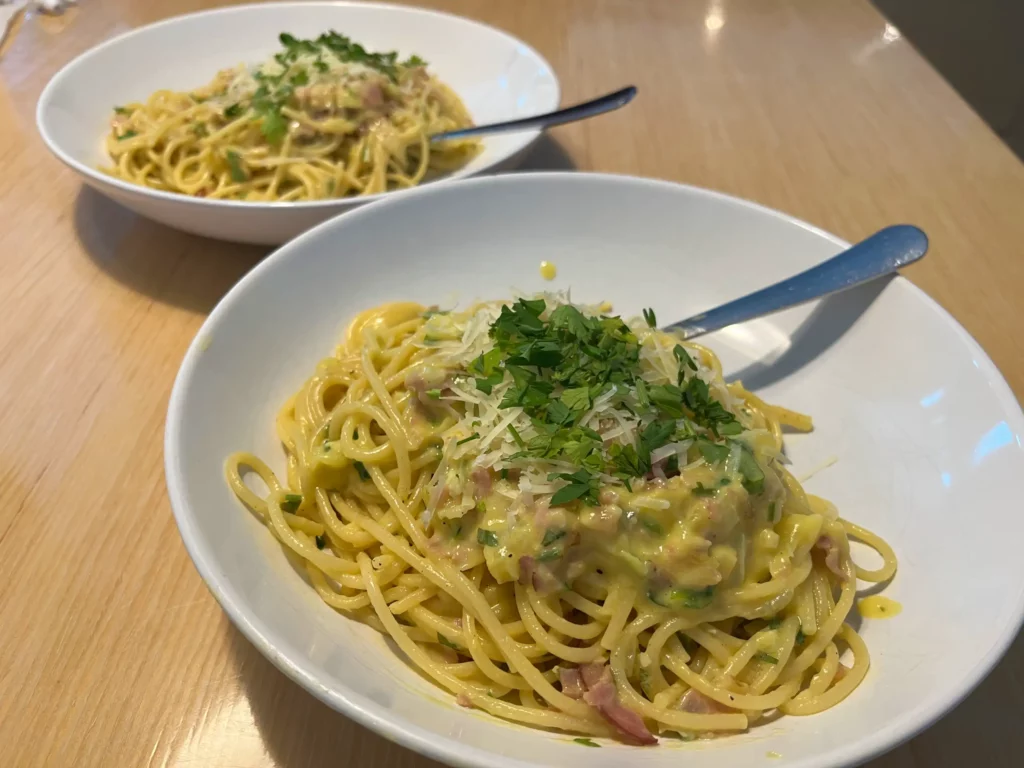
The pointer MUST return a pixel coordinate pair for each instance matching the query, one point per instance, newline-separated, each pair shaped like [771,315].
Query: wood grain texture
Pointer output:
[112,652]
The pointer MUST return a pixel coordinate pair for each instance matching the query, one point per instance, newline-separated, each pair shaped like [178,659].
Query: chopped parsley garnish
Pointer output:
[235,166]
[652,525]
[516,436]
[291,502]
[650,318]
[127,135]
[456,527]
[800,637]
[122,110]
[774,623]
[486,537]
[548,555]
[559,365]
[753,475]
[581,485]
[474,436]
[276,90]
[363,474]
[552,535]
[447,643]
[683,598]
[586,742]
[321,541]
[199,130]
[766,657]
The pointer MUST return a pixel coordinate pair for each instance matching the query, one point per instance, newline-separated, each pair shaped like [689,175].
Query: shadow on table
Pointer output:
[983,731]
[169,266]
[299,730]
[547,155]
[832,318]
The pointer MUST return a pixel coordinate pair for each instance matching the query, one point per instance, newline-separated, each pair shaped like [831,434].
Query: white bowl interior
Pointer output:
[497,76]
[926,433]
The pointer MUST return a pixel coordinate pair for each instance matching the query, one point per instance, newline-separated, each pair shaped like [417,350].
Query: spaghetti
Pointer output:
[323,118]
[567,521]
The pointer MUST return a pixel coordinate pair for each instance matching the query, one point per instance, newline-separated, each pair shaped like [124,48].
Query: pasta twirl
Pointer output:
[567,520]
[323,118]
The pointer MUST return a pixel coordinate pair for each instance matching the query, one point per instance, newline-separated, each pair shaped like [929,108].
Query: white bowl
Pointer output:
[497,76]
[926,432]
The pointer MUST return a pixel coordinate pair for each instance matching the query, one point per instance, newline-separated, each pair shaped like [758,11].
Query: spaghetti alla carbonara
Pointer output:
[568,521]
[323,118]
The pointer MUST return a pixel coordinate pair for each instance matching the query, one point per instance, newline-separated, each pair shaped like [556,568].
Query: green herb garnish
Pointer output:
[683,598]
[361,469]
[321,541]
[650,318]
[766,658]
[127,135]
[122,110]
[582,485]
[474,436]
[753,475]
[548,555]
[556,364]
[652,525]
[235,165]
[586,742]
[234,110]
[291,502]
[486,537]
[447,643]
[551,535]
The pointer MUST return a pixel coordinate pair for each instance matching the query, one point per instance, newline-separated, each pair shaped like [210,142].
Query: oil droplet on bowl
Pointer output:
[548,270]
[878,607]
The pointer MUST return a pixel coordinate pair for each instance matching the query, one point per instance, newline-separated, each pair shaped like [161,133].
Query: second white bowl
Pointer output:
[497,76]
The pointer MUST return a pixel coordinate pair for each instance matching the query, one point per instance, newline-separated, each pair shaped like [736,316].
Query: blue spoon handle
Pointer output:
[881,254]
[592,108]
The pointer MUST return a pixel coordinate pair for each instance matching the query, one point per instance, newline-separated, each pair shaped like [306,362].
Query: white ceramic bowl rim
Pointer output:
[372,715]
[103,178]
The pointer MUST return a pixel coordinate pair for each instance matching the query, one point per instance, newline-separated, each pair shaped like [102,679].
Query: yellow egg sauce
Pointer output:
[693,541]
[548,270]
[879,607]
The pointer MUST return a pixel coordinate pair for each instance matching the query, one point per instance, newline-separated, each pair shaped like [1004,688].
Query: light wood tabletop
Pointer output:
[112,651]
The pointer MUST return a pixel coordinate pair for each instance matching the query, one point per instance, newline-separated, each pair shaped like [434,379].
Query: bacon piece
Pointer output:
[592,673]
[544,582]
[832,553]
[373,96]
[463,700]
[526,568]
[601,695]
[697,703]
[572,683]
[481,477]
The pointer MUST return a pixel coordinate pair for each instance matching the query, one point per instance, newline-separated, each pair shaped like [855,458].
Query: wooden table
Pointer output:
[112,652]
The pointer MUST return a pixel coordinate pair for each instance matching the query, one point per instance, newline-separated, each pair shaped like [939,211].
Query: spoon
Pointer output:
[592,108]
[881,254]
